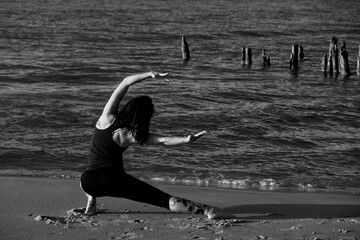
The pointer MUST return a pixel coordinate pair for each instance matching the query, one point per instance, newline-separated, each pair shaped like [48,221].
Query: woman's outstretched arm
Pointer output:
[111,107]
[173,140]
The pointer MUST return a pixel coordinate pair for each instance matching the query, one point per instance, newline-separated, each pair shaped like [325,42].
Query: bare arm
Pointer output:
[111,107]
[173,140]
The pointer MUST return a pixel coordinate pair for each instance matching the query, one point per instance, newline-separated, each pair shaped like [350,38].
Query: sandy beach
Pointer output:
[40,208]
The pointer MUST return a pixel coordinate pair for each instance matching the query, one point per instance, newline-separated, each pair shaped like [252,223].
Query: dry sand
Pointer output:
[38,208]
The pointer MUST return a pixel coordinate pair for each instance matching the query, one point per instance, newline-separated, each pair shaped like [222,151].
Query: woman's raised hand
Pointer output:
[157,74]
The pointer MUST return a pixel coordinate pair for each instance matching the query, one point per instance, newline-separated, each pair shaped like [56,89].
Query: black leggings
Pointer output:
[107,182]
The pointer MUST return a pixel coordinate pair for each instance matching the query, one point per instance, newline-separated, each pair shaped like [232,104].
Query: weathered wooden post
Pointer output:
[243,55]
[344,61]
[265,60]
[301,53]
[294,57]
[185,49]
[358,63]
[248,54]
[333,59]
[330,64]
[324,62]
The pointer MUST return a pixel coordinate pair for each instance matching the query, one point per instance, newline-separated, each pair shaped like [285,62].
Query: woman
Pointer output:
[115,131]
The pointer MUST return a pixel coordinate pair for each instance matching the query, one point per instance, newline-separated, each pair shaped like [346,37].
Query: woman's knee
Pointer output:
[90,184]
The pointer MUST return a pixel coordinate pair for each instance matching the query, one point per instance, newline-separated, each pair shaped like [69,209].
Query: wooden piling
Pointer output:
[301,53]
[265,60]
[358,63]
[324,62]
[243,55]
[333,59]
[294,57]
[248,54]
[185,49]
[264,57]
[344,61]
[330,64]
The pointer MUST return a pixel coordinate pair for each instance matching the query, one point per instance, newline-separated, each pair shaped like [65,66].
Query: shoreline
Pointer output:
[271,188]
[260,214]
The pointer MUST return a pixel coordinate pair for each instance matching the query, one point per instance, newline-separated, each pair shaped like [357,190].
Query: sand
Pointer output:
[39,208]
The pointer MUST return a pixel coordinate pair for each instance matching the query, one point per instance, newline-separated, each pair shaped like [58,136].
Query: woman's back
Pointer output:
[104,151]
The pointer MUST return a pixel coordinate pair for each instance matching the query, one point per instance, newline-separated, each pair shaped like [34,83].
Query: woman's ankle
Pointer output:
[91,205]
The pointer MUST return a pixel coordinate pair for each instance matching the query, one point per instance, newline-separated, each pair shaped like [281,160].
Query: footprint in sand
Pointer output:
[130,235]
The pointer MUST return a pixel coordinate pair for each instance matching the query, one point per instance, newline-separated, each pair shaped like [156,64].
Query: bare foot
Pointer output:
[217,213]
[186,206]
[91,205]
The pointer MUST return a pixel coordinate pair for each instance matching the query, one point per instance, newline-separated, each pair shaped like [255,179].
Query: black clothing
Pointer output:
[104,152]
[105,174]
[111,183]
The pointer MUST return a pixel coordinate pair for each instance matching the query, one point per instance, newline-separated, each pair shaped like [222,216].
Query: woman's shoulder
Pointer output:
[105,121]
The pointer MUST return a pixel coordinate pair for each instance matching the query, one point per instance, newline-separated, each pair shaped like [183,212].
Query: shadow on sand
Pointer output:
[272,211]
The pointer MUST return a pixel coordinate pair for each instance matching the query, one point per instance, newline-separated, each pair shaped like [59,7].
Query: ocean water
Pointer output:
[268,128]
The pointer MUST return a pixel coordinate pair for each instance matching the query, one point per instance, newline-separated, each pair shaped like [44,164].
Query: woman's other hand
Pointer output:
[195,137]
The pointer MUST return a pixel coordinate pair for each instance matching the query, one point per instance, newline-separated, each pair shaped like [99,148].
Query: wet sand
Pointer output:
[45,208]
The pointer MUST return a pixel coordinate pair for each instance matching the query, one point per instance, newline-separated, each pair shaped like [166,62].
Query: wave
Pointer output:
[263,184]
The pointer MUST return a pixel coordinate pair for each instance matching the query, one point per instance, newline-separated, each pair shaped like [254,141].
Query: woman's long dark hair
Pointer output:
[136,116]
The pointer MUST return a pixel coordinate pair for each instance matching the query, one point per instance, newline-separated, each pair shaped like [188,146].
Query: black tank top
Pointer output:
[104,152]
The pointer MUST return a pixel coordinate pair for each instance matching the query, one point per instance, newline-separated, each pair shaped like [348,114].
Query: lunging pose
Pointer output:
[115,131]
